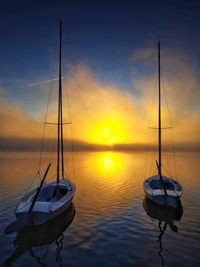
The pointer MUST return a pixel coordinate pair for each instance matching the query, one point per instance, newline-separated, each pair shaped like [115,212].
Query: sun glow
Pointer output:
[107,132]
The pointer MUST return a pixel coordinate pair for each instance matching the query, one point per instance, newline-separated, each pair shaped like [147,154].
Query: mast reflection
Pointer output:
[165,217]
[40,235]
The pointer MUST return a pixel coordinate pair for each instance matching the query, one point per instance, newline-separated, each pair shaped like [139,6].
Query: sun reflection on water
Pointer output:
[107,162]
[108,165]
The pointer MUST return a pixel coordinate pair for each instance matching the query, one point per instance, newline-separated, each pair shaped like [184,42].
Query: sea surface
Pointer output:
[110,222]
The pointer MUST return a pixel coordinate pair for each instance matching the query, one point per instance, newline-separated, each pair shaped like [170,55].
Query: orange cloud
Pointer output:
[106,114]
[180,94]
[15,123]
[103,113]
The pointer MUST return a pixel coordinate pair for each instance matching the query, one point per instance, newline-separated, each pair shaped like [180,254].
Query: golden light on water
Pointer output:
[112,177]
[106,164]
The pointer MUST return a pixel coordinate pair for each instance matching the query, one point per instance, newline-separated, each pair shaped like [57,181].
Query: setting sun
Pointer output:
[107,132]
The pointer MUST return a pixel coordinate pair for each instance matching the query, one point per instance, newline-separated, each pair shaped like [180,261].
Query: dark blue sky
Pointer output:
[101,34]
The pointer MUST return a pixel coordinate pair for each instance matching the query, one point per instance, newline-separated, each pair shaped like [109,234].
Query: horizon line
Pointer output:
[32,145]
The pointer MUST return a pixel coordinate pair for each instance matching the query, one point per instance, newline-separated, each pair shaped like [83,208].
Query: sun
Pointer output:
[108,136]
[106,132]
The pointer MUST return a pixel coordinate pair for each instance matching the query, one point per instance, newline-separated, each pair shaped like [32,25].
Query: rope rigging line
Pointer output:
[148,133]
[41,148]
[27,190]
[73,160]
[167,171]
[65,164]
[71,131]
[53,71]
[172,132]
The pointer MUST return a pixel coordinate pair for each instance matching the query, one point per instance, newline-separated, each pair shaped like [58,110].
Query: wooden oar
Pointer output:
[27,220]
[38,190]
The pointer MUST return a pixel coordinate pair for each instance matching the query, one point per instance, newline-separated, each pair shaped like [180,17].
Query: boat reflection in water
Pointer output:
[40,235]
[165,216]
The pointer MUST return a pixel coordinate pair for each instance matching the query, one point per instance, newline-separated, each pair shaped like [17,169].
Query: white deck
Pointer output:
[154,190]
[45,202]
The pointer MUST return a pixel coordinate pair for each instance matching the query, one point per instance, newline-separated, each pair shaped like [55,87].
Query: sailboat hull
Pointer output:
[165,214]
[48,205]
[169,197]
[164,200]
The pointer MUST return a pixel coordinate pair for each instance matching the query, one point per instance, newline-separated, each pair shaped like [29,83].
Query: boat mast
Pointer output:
[61,110]
[60,122]
[159,163]
[159,117]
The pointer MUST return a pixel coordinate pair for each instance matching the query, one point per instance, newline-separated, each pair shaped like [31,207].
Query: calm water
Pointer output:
[108,224]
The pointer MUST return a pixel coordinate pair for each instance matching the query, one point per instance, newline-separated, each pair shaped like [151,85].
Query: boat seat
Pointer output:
[61,193]
[157,184]
[45,194]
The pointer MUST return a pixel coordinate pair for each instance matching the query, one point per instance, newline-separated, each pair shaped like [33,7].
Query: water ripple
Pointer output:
[111,227]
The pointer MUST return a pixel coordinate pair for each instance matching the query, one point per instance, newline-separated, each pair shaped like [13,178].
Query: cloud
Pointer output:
[103,111]
[180,87]
[15,122]
[104,114]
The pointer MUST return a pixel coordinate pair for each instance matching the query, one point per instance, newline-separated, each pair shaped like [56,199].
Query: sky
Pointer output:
[109,71]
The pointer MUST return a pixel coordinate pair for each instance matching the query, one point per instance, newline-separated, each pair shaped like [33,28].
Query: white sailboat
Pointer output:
[161,189]
[53,198]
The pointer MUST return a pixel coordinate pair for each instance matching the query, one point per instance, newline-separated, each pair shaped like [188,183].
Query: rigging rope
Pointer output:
[171,124]
[148,133]
[167,171]
[54,67]
[71,133]
[27,190]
